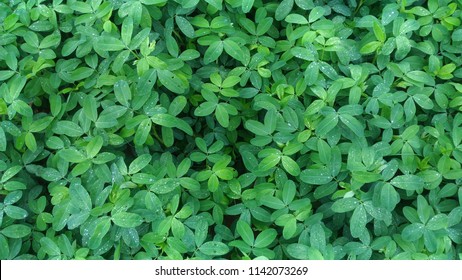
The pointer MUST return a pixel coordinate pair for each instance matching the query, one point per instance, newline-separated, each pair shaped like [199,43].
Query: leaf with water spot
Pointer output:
[358,221]
[172,82]
[316,176]
[329,122]
[127,220]
[302,53]
[389,13]
[245,231]
[15,212]
[413,232]
[16,231]
[345,205]
[408,182]
[283,9]
[214,248]
[265,238]
[247,5]
[164,186]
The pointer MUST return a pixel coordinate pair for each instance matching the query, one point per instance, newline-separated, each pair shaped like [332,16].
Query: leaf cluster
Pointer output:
[236,129]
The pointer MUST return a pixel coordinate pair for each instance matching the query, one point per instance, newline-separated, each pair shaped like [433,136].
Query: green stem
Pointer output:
[157,136]
[358,7]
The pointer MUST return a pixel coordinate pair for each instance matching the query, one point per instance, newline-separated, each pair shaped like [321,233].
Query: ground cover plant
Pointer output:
[235,129]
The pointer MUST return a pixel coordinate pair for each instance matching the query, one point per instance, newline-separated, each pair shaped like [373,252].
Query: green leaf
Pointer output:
[122,93]
[200,233]
[303,252]
[10,173]
[316,176]
[171,81]
[205,109]
[230,81]
[213,52]
[353,124]
[408,182]
[5,75]
[40,124]
[302,53]
[245,232]
[103,225]
[164,186]
[71,155]
[272,202]
[296,19]
[410,132]
[358,221]
[222,115]
[269,162]
[457,35]
[265,238]
[318,237]
[315,14]
[50,174]
[68,128]
[107,43]
[264,25]
[403,47]
[256,127]
[213,183]
[94,146]
[424,101]
[389,13]
[30,142]
[189,54]
[370,47]
[413,232]
[389,197]
[16,84]
[185,26]
[366,177]
[421,77]
[247,5]
[90,107]
[284,9]
[127,220]
[4,248]
[80,196]
[171,121]
[290,166]
[3,107]
[22,108]
[49,246]
[15,212]
[127,30]
[177,105]
[2,140]
[142,132]
[215,3]
[345,205]
[233,49]
[139,163]
[214,248]
[409,26]
[16,231]
[379,32]
[327,124]
[437,222]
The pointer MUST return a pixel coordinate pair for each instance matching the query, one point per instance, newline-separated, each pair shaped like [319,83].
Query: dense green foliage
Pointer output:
[237,129]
